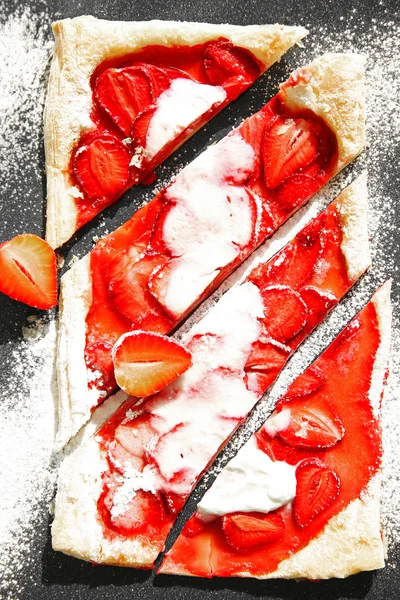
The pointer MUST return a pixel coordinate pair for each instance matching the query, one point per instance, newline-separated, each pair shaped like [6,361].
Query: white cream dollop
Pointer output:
[177,108]
[251,481]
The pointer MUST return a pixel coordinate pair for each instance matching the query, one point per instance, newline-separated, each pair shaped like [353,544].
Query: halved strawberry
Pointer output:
[317,488]
[313,423]
[28,268]
[276,449]
[223,62]
[140,126]
[145,362]
[128,280]
[318,303]
[289,146]
[245,532]
[124,93]
[308,382]
[101,167]
[285,313]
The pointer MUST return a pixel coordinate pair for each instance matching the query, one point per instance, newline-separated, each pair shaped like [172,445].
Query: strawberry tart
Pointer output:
[119,494]
[153,270]
[122,96]
[301,497]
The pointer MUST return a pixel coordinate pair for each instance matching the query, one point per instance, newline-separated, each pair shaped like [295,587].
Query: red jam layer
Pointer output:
[105,162]
[302,282]
[295,157]
[344,378]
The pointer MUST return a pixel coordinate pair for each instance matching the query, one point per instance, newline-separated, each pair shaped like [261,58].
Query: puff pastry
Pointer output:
[93,516]
[81,45]
[78,391]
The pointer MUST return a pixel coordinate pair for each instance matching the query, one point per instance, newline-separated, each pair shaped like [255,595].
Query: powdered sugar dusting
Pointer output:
[27,435]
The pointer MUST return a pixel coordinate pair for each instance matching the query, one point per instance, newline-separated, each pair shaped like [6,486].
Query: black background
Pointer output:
[51,575]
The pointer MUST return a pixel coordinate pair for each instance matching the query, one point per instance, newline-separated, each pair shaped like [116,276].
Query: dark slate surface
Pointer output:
[53,576]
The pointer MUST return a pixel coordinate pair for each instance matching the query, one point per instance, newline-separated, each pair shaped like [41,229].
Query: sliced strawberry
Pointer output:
[276,449]
[174,503]
[295,191]
[225,62]
[313,423]
[264,363]
[122,460]
[289,146]
[28,268]
[317,488]
[145,362]
[252,131]
[141,125]
[307,383]
[101,167]
[135,437]
[318,302]
[123,93]
[245,532]
[285,313]
[127,280]
[193,527]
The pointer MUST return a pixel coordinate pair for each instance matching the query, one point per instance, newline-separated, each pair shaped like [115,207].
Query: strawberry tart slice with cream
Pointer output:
[123,96]
[119,494]
[301,497]
[157,267]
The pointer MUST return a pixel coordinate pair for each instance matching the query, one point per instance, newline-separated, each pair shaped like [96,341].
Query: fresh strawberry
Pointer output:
[264,363]
[193,527]
[145,362]
[101,167]
[289,146]
[318,302]
[225,62]
[285,313]
[128,280]
[28,268]
[124,93]
[174,503]
[245,532]
[140,126]
[276,449]
[317,488]
[307,383]
[313,423]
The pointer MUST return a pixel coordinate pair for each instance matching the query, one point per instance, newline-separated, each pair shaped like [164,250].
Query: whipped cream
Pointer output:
[195,414]
[211,218]
[179,106]
[251,481]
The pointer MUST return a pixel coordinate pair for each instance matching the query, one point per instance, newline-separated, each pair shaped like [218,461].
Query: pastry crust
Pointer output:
[332,87]
[81,44]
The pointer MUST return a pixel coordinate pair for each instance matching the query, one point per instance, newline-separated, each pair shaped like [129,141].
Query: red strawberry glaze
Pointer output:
[347,367]
[263,365]
[143,235]
[126,87]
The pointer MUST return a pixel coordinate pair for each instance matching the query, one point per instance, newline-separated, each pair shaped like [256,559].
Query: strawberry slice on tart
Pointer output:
[123,96]
[173,252]
[175,434]
[312,471]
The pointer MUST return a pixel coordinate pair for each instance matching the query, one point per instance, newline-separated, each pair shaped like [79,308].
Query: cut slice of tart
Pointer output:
[122,96]
[301,497]
[153,270]
[119,494]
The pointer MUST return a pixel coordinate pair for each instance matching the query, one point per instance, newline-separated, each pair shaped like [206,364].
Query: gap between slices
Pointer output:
[135,107]
[279,495]
[176,250]
[158,449]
